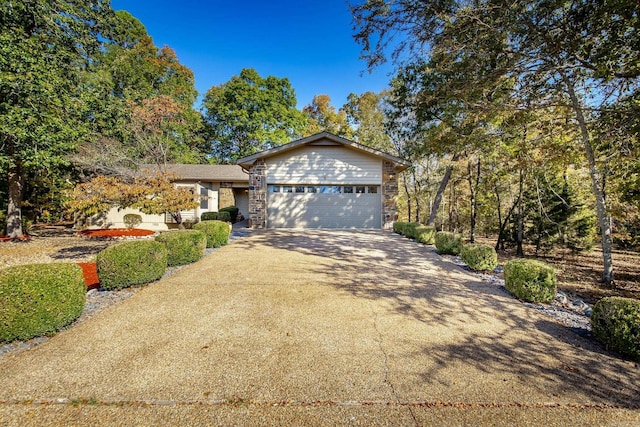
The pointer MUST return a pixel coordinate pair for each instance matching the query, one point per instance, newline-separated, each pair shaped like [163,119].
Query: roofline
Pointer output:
[248,161]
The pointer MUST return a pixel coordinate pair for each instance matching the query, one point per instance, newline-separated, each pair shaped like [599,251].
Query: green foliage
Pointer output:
[250,113]
[581,232]
[219,216]
[479,257]
[615,321]
[410,229]
[398,227]
[448,243]
[366,114]
[425,234]
[38,299]
[323,117]
[530,280]
[233,212]
[183,247]
[132,220]
[217,232]
[131,263]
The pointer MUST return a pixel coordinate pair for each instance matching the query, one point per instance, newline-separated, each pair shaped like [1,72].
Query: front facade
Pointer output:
[322,181]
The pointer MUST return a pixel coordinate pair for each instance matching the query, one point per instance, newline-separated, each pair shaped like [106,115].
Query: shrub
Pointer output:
[131,263]
[233,212]
[132,220]
[479,257]
[38,299]
[216,216]
[615,321]
[410,229]
[184,246]
[530,280]
[217,232]
[398,227]
[424,234]
[448,243]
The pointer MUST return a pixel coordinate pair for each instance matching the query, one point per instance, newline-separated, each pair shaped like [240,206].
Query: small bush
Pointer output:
[530,280]
[233,212]
[132,220]
[448,243]
[410,229]
[216,216]
[479,257]
[217,232]
[183,247]
[131,263]
[426,235]
[398,227]
[38,299]
[615,321]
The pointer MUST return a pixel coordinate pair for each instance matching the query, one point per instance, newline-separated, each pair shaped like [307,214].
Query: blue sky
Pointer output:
[308,41]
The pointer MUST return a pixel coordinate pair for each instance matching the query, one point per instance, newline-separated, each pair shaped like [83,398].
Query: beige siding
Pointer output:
[114,219]
[324,165]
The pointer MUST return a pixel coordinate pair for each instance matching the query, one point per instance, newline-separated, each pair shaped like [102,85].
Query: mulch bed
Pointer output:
[24,238]
[113,233]
[90,272]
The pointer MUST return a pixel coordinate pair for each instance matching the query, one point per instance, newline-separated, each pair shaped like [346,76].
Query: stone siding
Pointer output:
[389,194]
[225,195]
[258,195]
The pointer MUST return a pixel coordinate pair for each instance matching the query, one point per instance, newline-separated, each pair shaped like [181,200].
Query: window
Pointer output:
[348,189]
[287,189]
[204,198]
[373,190]
[312,189]
[359,190]
[336,189]
[299,188]
[274,188]
[323,189]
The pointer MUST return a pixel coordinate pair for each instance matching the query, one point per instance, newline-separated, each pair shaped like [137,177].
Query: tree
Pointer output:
[44,49]
[323,117]
[580,55]
[365,113]
[250,113]
[152,193]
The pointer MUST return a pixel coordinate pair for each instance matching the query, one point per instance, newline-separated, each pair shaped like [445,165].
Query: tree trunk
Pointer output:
[416,191]
[473,190]
[520,224]
[177,216]
[438,197]
[406,190]
[14,206]
[596,180]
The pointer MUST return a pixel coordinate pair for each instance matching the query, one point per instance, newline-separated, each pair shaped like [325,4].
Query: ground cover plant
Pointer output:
[131,264]
[37,299]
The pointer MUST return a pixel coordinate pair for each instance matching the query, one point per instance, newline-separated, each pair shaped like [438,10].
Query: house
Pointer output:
[322,181]
[219,185]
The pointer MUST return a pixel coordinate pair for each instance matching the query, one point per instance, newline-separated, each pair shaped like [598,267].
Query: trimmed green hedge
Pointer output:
[216,216]
[398,227]
[479,257]
[233,211]
[217,232]
[38,299]
[530,280]
[131,263]
[184,246]
[448,243]
[615,321]
[426,235]
[410,229]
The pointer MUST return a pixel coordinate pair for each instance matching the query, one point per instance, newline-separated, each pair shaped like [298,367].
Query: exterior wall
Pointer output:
[114,219]
[324,165]
[226,197]
[258,195]
[389,194]
[242,200]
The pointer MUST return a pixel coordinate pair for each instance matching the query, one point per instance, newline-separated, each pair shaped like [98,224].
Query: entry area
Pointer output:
[324,206]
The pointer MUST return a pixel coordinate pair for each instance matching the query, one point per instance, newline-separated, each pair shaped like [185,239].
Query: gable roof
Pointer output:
[248,161]
[208,173]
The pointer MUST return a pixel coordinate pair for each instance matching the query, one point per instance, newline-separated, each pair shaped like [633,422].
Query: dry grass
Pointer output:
[581,274]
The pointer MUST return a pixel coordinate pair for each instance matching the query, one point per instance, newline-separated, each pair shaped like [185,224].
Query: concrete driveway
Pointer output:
[319,328]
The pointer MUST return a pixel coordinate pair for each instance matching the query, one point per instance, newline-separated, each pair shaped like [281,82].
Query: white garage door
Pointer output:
[324,206]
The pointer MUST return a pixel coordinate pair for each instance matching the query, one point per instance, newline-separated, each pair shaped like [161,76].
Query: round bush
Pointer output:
[213,216]
[410,229]
[217,232]
[184,246]
[479,257]
[38,299]
[424,234]
[530,280]
[132,220]
[615,321]
[131,264]
[448,243]
[233,212]
[398,227]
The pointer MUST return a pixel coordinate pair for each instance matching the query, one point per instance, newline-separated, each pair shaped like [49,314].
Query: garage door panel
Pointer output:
[286,210]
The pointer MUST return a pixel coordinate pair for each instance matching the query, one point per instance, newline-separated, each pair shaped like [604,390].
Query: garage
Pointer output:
[324,206]
[322,181]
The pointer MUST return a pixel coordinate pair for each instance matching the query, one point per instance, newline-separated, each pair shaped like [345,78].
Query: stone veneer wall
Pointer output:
[258,195]
[225,195]
[389,194]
